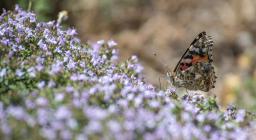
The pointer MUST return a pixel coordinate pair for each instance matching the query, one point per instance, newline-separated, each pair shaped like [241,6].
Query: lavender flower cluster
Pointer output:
[54,87]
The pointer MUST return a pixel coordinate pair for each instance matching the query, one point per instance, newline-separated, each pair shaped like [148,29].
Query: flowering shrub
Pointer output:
[54,87]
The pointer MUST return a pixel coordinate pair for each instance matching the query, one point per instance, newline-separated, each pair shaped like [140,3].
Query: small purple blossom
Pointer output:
[59,97]
[49,133]
[69,89]
[112,43]
[41,101]
[63,113]
[95,113]
[41,84]
[93,127]
[3,72]
[32,72]
[114,126]
[42,45]
[71,65]
[71,32]
[240,116]
[56,67]
[19,72]
[17,112]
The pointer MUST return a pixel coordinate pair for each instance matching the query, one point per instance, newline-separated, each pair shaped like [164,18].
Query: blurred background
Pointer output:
[159,32]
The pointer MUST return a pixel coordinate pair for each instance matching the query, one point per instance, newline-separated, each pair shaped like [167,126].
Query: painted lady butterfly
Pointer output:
[194,70]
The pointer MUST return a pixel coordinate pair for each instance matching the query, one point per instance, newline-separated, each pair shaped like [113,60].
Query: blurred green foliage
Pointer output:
[247,95]
[45,9]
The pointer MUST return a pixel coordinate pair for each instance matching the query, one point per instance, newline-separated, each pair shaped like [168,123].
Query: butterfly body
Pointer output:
[194,70]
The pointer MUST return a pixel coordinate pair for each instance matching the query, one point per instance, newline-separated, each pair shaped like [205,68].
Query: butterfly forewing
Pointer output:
[194,71]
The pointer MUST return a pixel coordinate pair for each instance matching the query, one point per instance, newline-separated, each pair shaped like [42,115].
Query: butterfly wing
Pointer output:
[194,70]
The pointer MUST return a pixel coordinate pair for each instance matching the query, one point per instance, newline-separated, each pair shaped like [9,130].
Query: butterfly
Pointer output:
[195,70]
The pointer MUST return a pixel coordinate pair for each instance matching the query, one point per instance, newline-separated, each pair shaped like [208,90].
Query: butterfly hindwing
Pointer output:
[194,70]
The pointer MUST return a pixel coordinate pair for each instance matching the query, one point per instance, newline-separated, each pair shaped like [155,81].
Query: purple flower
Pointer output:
[17,112]
[42,116]
[41,84]
[57,125]
[29,104]
[72,123]
[63,113]
[129,125]
[69,89]
[59,97]
[51,84]
[31,71]
[93,127]
[56,67]
[49,133]
[42,45]
[19,72]
[5,128]
[71,32]
[240,115]
[111,43]
[94,113]
[66,135]
[41,101]
[114,126]
[3,72]
[71,65]
[207,128]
